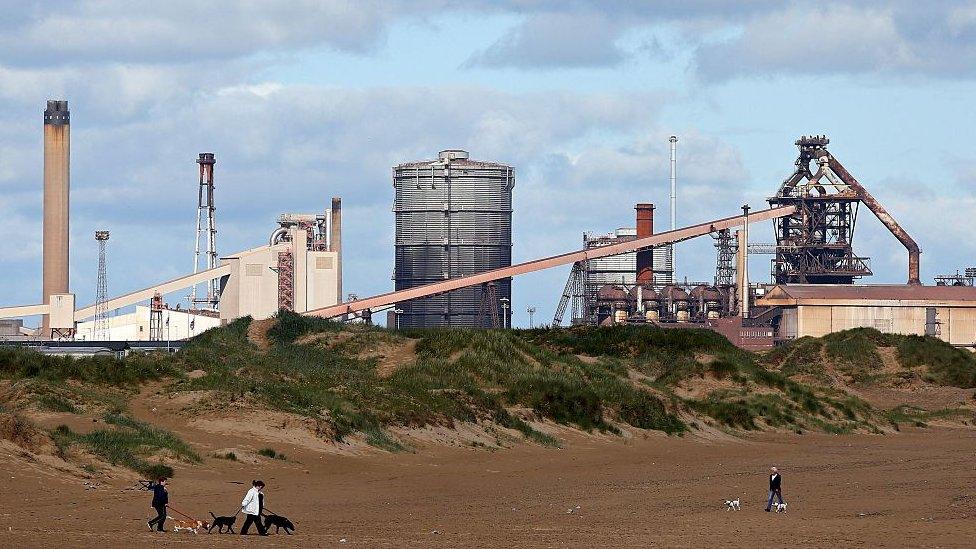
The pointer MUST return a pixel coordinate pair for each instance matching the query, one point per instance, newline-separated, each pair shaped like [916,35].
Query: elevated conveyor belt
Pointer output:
[164,288]
[435,288]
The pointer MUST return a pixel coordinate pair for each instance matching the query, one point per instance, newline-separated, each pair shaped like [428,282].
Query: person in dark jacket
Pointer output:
[159,502]
[775,488]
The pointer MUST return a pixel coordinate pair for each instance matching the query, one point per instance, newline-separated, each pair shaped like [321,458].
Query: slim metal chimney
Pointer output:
[335,242]
[674,221]
[57,152]
[645,258]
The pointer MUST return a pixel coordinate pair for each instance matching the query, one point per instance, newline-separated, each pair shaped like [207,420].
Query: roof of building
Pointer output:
[455,163]
[841,294]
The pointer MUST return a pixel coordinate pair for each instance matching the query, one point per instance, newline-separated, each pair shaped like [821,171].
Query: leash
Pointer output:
[180,512]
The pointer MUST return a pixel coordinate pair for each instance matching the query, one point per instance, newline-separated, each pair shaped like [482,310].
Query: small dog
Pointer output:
[780,507]
[278,522]
[189,525]
[220,522]
[733,505]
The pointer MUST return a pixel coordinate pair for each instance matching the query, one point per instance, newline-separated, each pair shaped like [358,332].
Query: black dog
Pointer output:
[278,522]
[220,522]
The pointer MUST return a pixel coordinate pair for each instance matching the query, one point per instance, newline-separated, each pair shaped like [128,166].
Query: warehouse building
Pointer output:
[946,312]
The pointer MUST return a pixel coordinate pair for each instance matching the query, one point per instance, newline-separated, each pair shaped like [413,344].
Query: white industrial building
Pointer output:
[135,326]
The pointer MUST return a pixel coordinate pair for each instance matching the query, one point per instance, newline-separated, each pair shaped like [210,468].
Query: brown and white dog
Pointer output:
[188,525]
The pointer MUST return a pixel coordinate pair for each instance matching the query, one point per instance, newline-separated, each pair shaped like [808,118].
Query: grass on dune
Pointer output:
[21,363]
[595,379]
[581,377]
[856,353]
[128,443]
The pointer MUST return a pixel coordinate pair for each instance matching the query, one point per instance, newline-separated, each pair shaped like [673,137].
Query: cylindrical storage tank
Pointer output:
[453,218]
[620,316]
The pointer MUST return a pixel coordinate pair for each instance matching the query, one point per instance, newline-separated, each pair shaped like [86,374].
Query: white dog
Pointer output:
[733,505]
[780,507]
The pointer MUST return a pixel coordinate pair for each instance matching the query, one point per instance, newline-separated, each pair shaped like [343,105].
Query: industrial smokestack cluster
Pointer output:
[57,153]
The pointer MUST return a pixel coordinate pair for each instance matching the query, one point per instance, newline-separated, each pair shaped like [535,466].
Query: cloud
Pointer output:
[909,39]
[67,33]
[551,40]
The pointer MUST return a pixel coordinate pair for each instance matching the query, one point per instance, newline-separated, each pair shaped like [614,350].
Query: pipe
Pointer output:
[57,153]
[335,242]
[645,258]
[674,223]
[886,219]
[276,235]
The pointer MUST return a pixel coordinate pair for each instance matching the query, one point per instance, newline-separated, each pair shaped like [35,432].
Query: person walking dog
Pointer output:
[775,488]
[159,502]
[253,506]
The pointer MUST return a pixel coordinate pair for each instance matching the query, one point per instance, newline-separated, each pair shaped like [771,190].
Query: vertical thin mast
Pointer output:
[674,221]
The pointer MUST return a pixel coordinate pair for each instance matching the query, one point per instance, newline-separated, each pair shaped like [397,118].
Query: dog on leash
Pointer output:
[278,522]
[188,525]
[220,522]
[780,507]
[733,505]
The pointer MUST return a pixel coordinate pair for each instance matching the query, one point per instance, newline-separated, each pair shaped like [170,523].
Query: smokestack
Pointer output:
[744,264]
[645,258]
[674,222]
[335,241]
[57,149]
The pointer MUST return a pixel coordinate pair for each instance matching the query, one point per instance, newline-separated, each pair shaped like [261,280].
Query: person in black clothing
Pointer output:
[159,502]
[775,488]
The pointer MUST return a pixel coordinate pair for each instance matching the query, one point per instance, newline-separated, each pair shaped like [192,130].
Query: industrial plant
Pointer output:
[452,263]
[298,269]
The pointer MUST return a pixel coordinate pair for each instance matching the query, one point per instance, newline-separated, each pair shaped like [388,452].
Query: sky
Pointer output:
[304,100]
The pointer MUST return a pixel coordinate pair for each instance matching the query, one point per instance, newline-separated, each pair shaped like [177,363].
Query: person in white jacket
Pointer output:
[252,505]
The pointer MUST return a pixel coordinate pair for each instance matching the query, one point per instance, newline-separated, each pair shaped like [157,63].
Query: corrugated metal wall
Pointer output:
[956,325]
[453,218]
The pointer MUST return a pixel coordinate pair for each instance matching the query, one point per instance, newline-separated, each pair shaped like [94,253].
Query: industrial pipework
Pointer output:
[57,152]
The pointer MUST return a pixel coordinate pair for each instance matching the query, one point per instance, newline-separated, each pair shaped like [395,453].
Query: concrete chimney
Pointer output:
[743,258]
[57,152]
[645,258]
[335,242]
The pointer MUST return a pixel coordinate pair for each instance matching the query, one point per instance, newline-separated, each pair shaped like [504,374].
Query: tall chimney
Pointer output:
[645,258]
[335,242]
[673,140]
[743,237]
[57,148]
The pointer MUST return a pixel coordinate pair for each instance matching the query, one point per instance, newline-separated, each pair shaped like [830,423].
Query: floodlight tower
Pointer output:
[101,290]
